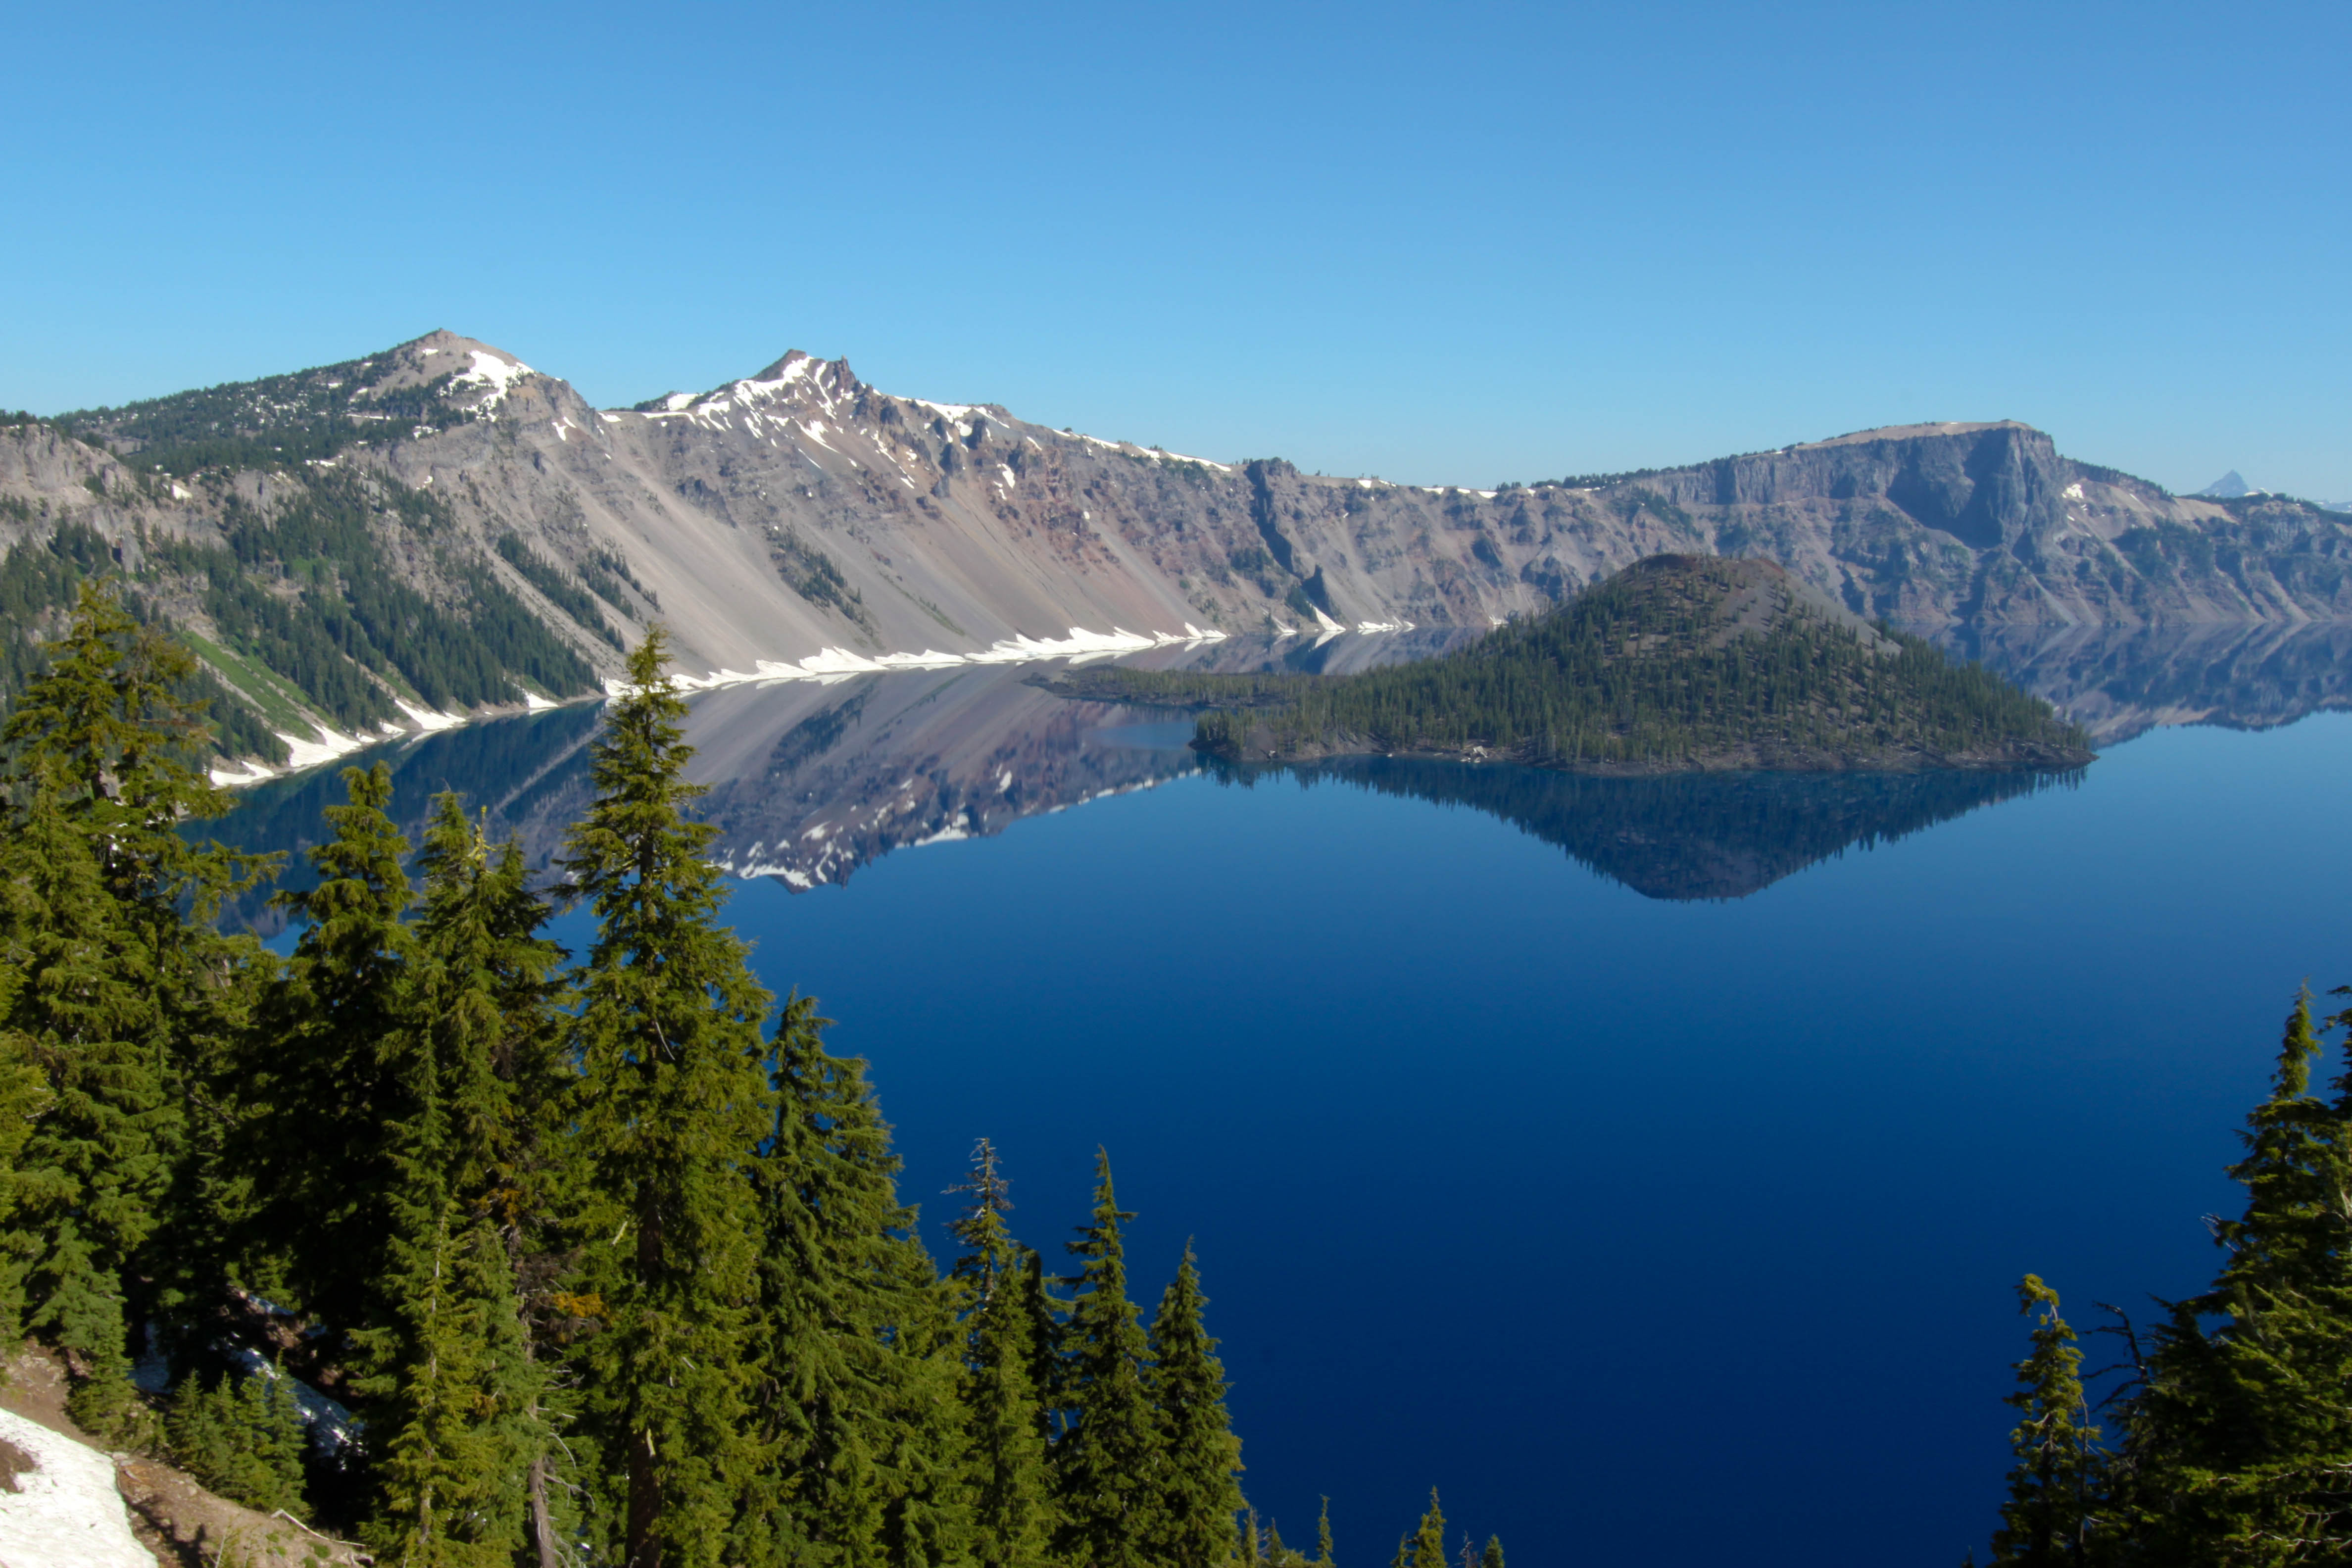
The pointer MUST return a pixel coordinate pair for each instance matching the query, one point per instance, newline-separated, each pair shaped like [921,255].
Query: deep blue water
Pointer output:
[1646,1231]
[1676,1226]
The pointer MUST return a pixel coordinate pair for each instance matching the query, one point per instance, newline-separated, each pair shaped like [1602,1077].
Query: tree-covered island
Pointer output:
[1677,664]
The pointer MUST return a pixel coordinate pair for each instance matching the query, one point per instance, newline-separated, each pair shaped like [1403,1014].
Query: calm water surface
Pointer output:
[1673,1226]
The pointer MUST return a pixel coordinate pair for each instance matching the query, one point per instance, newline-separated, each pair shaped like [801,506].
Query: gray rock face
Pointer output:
[799,510]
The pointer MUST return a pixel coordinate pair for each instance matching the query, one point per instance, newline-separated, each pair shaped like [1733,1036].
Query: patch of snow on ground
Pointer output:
[1327,623]
[66,1514]
[2075,490]
[426,719]
[494,373]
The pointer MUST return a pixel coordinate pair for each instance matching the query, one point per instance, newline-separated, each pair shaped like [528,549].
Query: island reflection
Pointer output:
[808,781]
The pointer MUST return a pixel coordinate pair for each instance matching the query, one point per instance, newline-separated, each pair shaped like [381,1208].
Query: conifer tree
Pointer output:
[332,1070]
[1493,1556]
[672,1100]
[241,1437]
[1013,1507]
[462,1393]
[2239,1437]
[2054,1489]
[1106,1462]
[1429,1540]
[1323,1537]
[121,1003]
[861,1428]
[1194,1492]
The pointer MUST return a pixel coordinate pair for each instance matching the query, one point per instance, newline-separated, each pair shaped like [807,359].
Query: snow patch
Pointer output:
[426,719]
[1327,623]
[499,376]
[66,1512]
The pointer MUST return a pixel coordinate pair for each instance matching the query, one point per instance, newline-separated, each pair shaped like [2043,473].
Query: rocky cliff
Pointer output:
[799,510]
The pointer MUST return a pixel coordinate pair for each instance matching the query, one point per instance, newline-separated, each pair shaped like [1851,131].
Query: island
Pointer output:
[1677,664]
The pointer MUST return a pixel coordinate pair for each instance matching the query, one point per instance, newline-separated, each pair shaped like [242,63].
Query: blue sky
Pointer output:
[1441,244]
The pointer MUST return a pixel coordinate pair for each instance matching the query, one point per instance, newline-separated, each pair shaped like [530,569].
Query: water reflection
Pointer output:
[1685,836]
[810,781]
[2118,681]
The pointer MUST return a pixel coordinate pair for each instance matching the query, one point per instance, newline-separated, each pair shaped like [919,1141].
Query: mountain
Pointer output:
[441,529]
[2229,487]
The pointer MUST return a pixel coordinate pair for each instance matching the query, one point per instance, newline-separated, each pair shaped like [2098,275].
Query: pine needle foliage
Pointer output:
[674,1096]
[1014,1516]
[2054,1485]
[1195,1494]
[1107,1460]
[241,1437]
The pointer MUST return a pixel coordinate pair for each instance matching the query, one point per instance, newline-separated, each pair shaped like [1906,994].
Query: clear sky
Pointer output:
[1443,244]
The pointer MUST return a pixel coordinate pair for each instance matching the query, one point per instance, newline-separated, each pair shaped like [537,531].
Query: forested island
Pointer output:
[1677,664]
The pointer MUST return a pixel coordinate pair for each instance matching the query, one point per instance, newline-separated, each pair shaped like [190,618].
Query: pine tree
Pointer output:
[332,1074]
[1013,1506]
[672,1100]
[462,1393]
[1323,1537]
[243,1438]
[1194,1493]
[1429,1540]
[2054,1489]
[2240,1435]
[1105,1463]
[119,1001]
[1493,1556]
[862,1431]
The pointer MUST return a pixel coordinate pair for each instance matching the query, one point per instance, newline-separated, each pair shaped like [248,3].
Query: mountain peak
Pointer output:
[2228,486]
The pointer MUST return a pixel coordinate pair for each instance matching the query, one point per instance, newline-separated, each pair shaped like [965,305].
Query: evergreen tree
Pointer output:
[1194,1493]
[2054,1489]
[122,1004]
[333,1076]
[1429,1539]
[673,1098]
[95,1160]
[462,1393]
[1107,1462]
[243,1438]
[1323,1537]
[1493,1556]
[1013,1506]
[2240,1435]
[861,1428]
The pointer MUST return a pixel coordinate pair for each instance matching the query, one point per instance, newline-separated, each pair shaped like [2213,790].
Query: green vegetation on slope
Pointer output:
[1677,662]
[566,596]
[306,415]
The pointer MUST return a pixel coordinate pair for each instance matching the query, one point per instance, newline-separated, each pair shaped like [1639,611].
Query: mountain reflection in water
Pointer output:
[808,781]
[1685,835]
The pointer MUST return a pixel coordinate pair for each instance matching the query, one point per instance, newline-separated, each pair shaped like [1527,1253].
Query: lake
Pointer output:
[1646,1164]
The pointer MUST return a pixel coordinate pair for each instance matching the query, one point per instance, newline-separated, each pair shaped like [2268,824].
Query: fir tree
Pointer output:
[2054,1489]
[1106,1464]
[122,1004]
[333,1069]
[243,1438]
[861,1427]
[673,1098]
[1323,1537]
[2240,1435]
[1429,1539]
[1493,1556]
[1193,1491]
[462,1393]
[1013,1507]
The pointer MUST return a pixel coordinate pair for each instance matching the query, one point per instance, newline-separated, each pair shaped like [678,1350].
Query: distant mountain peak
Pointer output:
[2228,486]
